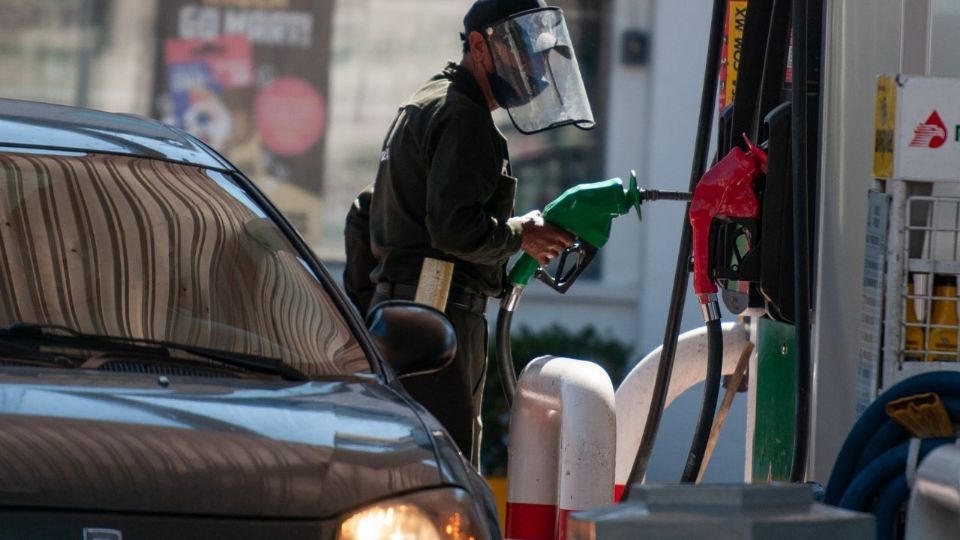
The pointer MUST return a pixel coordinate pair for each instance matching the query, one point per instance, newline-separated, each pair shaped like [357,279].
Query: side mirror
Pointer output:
[414,338]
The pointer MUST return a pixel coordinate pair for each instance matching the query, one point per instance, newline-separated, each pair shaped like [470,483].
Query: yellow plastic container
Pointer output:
[943,337]
[913,339]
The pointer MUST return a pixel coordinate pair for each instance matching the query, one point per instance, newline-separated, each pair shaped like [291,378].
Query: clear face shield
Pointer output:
[537,77]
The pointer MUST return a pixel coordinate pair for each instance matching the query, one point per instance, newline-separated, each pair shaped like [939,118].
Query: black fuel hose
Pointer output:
[681,275]
[508,374]
[708,408]
[801,241]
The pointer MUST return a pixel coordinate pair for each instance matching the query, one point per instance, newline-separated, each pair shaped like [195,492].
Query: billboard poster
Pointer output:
[250,78]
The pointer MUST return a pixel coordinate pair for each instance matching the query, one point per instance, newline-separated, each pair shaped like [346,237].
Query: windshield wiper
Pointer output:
[251,362]
[17,354]
[69,336]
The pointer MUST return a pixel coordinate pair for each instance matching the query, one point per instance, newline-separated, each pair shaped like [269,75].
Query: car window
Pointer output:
[146,249]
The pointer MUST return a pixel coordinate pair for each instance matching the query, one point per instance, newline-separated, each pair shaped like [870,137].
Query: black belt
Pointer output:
[463,301]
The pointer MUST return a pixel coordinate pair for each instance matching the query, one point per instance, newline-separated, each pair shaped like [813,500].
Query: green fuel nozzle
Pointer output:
[587,211]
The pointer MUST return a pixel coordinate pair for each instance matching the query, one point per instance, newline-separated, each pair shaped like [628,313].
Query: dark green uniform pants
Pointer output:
[454,394]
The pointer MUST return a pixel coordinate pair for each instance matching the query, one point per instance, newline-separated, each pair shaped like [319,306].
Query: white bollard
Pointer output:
[689,368]
[562,446]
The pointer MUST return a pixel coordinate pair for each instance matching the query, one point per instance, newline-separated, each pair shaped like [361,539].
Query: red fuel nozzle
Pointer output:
[725,191]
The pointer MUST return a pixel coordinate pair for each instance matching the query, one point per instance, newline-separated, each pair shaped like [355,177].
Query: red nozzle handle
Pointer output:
[725,191]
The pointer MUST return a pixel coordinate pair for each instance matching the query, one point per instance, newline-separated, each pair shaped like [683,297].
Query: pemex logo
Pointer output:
[930,134]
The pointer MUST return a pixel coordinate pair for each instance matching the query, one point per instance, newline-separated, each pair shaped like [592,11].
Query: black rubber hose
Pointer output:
[508,374]
[801,241]
[681,274]
[708,409]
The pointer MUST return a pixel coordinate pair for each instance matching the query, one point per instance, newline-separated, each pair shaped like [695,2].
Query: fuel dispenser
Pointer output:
[728,230]
[749,232]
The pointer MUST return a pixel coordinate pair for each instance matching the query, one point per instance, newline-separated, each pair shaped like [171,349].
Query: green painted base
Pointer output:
[776,405]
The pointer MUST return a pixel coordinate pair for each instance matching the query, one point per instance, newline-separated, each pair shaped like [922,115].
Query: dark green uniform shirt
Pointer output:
[444,189]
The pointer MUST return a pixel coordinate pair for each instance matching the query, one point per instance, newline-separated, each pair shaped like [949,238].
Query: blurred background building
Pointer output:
[299,94]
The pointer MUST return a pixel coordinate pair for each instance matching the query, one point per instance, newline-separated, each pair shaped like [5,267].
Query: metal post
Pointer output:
[895,283]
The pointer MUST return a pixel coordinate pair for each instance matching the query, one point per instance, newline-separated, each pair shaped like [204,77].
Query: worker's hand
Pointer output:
[542,241]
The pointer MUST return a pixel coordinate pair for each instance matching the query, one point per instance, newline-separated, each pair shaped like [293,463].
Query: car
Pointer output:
[176,363]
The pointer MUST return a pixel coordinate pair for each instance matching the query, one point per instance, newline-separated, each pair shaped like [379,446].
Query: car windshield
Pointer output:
[151,250]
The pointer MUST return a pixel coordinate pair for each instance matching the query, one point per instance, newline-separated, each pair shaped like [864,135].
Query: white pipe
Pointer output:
[689,368]
[562,446]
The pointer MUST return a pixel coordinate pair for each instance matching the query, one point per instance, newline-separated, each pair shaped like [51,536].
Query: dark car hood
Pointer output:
[206,446]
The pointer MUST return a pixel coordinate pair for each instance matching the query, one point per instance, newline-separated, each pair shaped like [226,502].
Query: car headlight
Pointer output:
[440,514]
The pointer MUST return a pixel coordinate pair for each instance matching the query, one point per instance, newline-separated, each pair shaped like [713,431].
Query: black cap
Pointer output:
[485,12]
[944,280]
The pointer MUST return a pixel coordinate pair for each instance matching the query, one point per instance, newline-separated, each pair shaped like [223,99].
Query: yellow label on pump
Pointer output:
[735,22]
[884,126]
[434,286]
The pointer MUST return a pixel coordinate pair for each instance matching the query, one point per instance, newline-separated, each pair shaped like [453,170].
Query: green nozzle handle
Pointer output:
[523,271]
[586,210]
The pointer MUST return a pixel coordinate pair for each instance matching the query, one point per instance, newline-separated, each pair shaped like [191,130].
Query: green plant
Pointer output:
[585,344]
